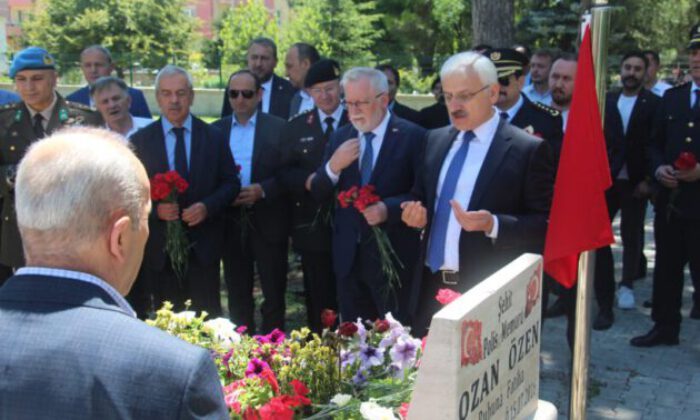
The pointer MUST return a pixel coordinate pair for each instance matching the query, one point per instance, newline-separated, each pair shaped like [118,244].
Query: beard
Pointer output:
[631,82]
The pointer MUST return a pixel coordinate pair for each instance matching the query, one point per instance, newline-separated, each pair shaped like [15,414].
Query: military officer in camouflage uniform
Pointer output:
[536,118]
[304,142]
[41,112]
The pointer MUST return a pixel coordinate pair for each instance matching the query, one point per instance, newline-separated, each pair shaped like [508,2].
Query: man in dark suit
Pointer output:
[41,111]
[200,154]
[299,59]
[303,144]
[677,205]
[96,62]
[84,239]
[628,123]
[277,92]
[257,222]
[435,115]
[387,156]
[535,118]
[484,192]
[396,108]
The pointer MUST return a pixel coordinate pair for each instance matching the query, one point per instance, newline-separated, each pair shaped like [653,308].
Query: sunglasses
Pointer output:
[504,81]
[233,93]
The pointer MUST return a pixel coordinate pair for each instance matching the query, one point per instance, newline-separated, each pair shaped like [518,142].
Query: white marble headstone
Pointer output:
[481,358]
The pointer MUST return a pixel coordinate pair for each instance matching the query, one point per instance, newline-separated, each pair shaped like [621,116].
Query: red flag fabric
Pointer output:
[578,220]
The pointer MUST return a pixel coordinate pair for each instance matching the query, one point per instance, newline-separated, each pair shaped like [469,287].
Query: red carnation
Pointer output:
[686,161]
[275,409]
[347,329]
[301,391]
[269,376]
[446,296]
[328,317]
[403,411]
[381,325]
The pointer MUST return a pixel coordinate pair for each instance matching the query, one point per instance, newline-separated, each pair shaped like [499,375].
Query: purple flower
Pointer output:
[276,336]
[255,368]
[359,377]
[371,356]
[347,358]
[403,353]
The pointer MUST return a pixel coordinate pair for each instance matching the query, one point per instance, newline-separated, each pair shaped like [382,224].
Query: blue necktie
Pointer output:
[367,157]
[438,231]
[181,153]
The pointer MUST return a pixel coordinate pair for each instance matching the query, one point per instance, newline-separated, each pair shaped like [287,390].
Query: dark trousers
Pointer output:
[5,273]
[677,243]
[621,198]
[319,286]
[364,292]
[200,285]
[244,250]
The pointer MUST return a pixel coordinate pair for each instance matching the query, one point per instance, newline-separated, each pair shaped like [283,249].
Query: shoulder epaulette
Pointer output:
[78,105]
[679,86]
[10,107]
[548,109]
[300,114]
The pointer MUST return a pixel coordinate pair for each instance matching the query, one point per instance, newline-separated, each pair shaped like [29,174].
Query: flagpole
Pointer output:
[600,27]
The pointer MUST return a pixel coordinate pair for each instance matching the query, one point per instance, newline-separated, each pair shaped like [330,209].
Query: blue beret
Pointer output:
[31,58]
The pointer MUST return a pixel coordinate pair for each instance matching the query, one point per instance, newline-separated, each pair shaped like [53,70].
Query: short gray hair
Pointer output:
[70,185]
[172,70]
[106,82]
[99,48]
[471,62]
[377,79]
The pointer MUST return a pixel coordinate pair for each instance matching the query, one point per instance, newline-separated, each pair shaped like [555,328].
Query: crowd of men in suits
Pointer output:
[465,185]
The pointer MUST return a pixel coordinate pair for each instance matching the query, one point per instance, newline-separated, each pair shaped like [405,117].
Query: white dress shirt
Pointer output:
[514,109]
[533,95]
[379,132]
[694,87]
[478,148]
[307,102]
[337,114]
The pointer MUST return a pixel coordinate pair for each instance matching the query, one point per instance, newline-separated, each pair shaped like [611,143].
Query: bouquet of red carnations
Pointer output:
[166,188]
[361,198]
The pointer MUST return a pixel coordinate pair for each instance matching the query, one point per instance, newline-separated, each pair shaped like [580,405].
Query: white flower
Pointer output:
[187,316]
[224,330]
[372,411]
[341,399]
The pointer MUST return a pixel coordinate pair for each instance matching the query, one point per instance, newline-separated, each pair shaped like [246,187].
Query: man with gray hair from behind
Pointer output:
[82,202]
[484,192]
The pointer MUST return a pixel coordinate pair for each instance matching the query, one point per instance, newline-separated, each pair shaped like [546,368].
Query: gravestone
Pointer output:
[481,359]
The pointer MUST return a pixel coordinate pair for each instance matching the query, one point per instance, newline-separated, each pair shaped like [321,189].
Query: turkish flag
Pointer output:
[578,220]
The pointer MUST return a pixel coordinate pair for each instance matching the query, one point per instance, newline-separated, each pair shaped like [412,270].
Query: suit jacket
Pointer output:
[138,108]
[676,130]
[407,113]
[295,104]
[269,215]
[280,99]
[104,364]
[303,147]
[541,121]
[395,171]
[434,116]
[16,135]
[213,181]
[631,148]
[515,184]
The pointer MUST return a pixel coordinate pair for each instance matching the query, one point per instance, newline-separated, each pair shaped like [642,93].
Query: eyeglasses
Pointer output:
[233,93]
[504,81]
[329,90]
[462,97]
[359,104]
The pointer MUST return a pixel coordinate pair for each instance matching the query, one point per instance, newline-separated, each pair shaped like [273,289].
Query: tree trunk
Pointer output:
[492,22]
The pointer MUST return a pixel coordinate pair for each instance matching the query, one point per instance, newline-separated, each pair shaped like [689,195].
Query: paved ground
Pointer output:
[626,382]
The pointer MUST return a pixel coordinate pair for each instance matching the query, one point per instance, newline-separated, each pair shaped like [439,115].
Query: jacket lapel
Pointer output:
[198,136]
[495,155]
[258,146]
[439,147]
[160,152]
[389,144]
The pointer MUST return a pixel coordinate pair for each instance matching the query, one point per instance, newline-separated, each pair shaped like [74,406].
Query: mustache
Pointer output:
[458,114]
[631,78]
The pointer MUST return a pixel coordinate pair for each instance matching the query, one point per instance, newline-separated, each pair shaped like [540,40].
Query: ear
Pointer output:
[494,90]
[119,231]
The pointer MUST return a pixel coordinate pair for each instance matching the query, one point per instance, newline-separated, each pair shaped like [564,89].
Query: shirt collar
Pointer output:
[305,96]
[168,126]
[267,85]
[46,113]
[80,276]
[251,122]
[694,87]
[380,130]
[337,114]
[515,108]
[485,132]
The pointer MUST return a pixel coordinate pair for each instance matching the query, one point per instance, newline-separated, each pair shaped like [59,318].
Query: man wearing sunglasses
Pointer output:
[483,194]
[303,144]
[382,150]
[536,118]
[256,222]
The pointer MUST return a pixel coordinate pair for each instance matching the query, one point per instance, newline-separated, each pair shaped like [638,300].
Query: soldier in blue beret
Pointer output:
[40,112]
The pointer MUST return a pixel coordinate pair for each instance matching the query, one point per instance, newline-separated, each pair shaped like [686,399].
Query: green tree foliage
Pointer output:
[240,24]
[548,23]
[152,32]
[345,30]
